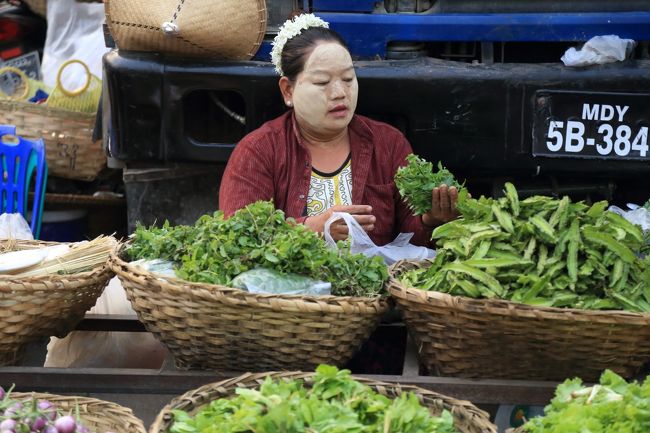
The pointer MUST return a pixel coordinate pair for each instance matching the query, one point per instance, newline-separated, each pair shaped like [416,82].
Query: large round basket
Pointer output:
[208,326]
[467,417]
[223,29]
[97,415]
[459,336]
[43,306]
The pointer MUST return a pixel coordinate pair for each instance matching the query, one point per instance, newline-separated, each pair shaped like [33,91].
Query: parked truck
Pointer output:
[476,84]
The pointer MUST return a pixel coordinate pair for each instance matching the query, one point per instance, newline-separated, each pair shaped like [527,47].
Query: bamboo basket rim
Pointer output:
[49,278]
[60,112]
[194,399]
[126,414]
[233,296]
[502,307]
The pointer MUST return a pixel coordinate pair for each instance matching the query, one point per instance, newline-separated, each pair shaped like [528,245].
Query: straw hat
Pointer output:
[223,29]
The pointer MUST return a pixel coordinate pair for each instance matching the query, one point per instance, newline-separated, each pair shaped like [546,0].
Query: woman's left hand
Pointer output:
[443,206]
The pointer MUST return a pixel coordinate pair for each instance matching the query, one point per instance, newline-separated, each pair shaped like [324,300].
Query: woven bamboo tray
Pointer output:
[98,415]
[467,417]
[209,326]
[36,307]
[459,336]
[69,149]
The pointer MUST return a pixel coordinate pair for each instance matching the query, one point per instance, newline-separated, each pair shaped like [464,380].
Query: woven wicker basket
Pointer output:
[467,418]
[209,326]
[36,307]
[97,415]
[459,336]
[69,149]
[223,29]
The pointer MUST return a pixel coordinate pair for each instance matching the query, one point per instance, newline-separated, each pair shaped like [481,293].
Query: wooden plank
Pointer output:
[169,382]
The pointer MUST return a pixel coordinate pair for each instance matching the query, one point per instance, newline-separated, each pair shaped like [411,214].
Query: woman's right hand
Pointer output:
[338,228]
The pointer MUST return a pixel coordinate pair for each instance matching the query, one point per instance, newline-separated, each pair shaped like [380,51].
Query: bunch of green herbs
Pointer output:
[539,251]
[217,249]
[335,403]
[611,406]
[417,179]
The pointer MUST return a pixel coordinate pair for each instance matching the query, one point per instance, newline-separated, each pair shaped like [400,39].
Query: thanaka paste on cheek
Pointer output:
[312,103]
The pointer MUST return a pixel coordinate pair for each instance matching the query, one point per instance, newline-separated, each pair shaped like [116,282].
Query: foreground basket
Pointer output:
[69,148]
[467,418]
[459,336]
[208,326]
[37,307]
[97,415]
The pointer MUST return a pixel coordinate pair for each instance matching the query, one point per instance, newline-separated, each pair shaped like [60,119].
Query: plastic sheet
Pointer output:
[107,349]
[263,280]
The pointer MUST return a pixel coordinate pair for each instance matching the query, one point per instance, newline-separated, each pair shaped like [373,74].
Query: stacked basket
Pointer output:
[209,326]
[42,306]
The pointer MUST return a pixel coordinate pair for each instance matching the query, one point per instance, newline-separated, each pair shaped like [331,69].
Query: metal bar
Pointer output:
[110,322]
[369,34]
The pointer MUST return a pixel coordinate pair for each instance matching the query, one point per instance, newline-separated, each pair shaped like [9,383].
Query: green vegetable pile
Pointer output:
[416,180]
[335,403]
[540,251]
[216,249]
[612,406]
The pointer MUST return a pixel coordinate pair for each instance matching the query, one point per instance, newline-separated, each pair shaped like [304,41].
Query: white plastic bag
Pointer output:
[107,349]
[74,31]
[636,215]
[599,50]
[262,280]
[360,242]
[14,226]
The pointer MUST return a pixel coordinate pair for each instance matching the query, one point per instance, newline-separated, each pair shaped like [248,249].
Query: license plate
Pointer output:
[591,125]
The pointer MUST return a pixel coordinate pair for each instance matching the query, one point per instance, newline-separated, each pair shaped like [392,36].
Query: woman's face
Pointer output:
[325,92]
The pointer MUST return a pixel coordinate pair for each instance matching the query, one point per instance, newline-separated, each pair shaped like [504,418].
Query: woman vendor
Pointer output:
[320,157]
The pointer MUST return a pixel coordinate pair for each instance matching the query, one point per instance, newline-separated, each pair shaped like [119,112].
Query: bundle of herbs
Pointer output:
[417,179]
[217,249]
[539,251]
[613,405]
[335,403]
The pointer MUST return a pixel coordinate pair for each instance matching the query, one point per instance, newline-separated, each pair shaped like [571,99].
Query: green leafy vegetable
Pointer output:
[539,251]
[216,249]
[335,403]
[417,179]
[613,405]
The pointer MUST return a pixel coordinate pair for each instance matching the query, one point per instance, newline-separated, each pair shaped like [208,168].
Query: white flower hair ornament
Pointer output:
[290,29]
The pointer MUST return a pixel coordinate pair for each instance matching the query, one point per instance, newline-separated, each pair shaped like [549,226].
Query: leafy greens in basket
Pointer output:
[611,406]
[216,250]
[335,403]
[539,251]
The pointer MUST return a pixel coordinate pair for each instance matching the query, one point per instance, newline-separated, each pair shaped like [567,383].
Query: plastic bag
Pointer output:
[157,266]
[262,280]
[107,349]
[74,31]
[360,242]
[636,215]
[599,50]
[14,226]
